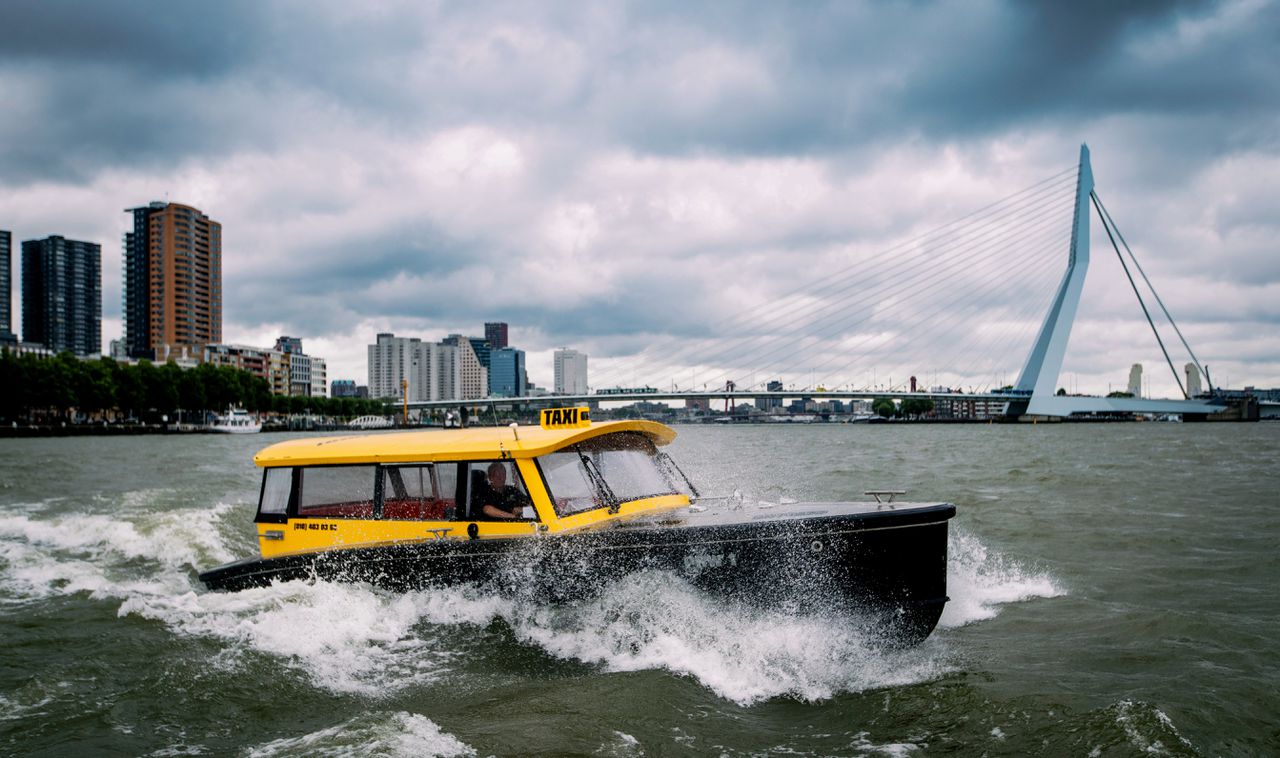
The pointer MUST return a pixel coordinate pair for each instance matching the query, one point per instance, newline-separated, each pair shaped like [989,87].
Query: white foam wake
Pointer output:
[400,734]
[655,620]
[344,637]
[354,638]
[979,581]
[107,556]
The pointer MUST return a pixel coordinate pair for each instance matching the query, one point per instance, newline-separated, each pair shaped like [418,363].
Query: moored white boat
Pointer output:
[236,421]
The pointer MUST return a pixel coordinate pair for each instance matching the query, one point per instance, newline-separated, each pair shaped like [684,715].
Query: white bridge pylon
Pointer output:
[1039,376]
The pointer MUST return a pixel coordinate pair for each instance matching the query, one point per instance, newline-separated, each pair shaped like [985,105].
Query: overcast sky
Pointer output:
[615,177]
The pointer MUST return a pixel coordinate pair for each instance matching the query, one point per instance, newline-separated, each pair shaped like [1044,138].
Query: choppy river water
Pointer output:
[1114,592]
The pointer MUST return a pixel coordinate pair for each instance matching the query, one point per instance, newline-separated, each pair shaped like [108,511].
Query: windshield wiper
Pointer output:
[671,466]
[597,481]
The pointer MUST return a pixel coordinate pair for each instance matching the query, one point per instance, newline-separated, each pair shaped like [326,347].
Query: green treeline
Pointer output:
[911,407]
[35,389]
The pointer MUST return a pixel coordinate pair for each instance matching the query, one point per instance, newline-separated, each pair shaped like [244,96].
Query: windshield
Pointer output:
[616,468]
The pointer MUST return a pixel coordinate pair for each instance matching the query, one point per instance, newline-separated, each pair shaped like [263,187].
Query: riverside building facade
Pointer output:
[392,362]
[506,373]
[422,370]
[274,365]
[473,375]
[62,295]
[570,372]
[173,280]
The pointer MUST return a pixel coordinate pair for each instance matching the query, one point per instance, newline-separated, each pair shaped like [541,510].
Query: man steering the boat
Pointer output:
[497,499]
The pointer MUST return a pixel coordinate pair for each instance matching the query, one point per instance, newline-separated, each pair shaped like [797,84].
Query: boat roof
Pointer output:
[475,443]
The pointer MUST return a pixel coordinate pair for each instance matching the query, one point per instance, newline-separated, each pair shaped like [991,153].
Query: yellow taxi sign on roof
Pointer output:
[566,418]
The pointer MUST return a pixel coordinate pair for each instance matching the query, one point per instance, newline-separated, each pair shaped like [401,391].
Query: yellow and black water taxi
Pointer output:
[566,506]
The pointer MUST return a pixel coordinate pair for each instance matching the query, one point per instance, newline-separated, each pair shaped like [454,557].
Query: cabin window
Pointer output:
[277,484]
[496,484]
[336,492]
[447,481]
[613,468]
[409,492]
[567,481]
[632,474]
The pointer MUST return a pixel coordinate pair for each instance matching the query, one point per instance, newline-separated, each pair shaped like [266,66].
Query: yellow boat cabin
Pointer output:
[326,493]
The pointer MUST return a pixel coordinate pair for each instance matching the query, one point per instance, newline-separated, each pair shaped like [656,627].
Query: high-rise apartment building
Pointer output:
[172,279]
[137,283]
[473,379]
[402,366]
[495,333]
[506,373]
[446,371]
[62,294]
[6,288]
[571,372]
[424,370]
[392,361]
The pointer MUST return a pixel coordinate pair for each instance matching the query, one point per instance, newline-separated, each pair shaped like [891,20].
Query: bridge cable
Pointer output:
[1153,291]
[795,315]
[939,277]
[1134,285]
[954,313]
[799,309]
[831,326]
[794,319]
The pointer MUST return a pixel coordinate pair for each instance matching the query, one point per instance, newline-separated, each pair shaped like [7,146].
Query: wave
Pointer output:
[359,639]
[106,556]
[400,734]
[344,637]
[655,620]
[1148,729]
[979,581]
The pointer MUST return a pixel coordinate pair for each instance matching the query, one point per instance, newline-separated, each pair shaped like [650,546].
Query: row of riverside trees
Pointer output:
[35,389]
[911,407]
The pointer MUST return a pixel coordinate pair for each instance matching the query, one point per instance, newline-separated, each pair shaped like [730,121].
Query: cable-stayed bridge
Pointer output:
[960,306]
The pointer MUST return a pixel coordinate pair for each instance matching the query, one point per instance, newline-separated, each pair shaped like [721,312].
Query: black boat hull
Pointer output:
[886,567]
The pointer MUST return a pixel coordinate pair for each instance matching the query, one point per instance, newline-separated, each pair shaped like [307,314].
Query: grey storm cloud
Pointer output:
[597,137]
[120,83]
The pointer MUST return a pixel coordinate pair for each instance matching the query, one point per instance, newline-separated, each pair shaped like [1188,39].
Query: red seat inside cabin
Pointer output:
[338,510]
[414,508]
[393,509]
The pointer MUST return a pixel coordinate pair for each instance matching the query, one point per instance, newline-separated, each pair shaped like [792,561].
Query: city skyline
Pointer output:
[725,159]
